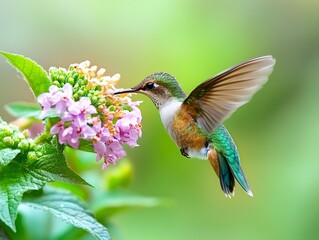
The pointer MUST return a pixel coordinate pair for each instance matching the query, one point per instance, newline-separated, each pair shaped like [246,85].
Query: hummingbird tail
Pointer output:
[227,181]
[228,171]
[225,161]
[223,171]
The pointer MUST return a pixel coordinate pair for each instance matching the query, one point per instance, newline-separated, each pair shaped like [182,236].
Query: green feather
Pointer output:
[227,181]
[228,159]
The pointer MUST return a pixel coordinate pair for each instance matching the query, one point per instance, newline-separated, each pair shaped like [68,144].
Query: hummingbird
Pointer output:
[194,122]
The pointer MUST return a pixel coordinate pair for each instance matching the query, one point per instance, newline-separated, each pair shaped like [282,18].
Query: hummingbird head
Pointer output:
[160,87]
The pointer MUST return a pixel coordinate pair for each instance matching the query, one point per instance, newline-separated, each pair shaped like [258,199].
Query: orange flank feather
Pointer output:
[212,157]
[186,132]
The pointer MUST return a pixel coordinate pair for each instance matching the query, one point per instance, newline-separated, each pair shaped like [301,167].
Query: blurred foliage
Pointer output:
[276,133]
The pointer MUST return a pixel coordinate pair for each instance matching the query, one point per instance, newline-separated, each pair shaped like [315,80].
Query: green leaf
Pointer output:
[65,206]
[23,109]
[86,146]
[6,155]
[33,73]
[20,176]
[114,202]
[53,165]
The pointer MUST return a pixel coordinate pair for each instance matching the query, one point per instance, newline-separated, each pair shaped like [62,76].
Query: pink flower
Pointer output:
[72,134]
[129,126]
[106,146]
[100,149]
[65,135]
[45,100]
[79,110]
[63,99]
[103,136]
[74,117]
[70,137]
[114,151]
[57,128]
[58,98]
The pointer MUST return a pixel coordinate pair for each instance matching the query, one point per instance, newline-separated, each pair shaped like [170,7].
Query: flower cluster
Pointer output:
[12,138]
[82,107]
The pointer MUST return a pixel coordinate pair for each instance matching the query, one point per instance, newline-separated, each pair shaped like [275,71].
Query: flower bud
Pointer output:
[80,92]
[71,80]
[24,145]
[32,156]
[56,83]
[76,76]
[8,141]
[5,131]
[61,78]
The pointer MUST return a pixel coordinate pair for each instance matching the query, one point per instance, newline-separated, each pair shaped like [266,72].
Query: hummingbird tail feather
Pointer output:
[227,181]
[223,171]
[237,172]
[227,158]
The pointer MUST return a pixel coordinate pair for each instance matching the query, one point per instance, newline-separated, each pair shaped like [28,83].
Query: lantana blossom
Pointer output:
[87,110]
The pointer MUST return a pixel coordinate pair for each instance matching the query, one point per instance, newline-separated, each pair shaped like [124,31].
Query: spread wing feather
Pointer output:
[217,98]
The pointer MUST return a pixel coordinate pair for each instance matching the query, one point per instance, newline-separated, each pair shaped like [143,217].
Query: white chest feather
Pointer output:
[168,111]
[202,154]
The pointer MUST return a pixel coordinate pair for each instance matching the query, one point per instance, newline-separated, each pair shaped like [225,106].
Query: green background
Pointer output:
[276,133]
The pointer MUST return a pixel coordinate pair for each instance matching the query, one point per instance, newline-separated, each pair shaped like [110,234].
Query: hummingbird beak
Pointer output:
[127,90]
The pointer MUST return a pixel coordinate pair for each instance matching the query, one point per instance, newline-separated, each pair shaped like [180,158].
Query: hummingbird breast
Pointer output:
[184,130]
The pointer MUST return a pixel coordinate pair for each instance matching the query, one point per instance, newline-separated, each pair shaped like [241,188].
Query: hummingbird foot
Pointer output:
[183,152]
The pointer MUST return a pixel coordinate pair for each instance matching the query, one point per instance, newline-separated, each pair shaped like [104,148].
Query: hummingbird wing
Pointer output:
[217,98]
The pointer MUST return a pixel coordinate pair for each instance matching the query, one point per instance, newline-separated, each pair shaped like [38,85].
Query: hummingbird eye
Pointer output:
[149,86]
